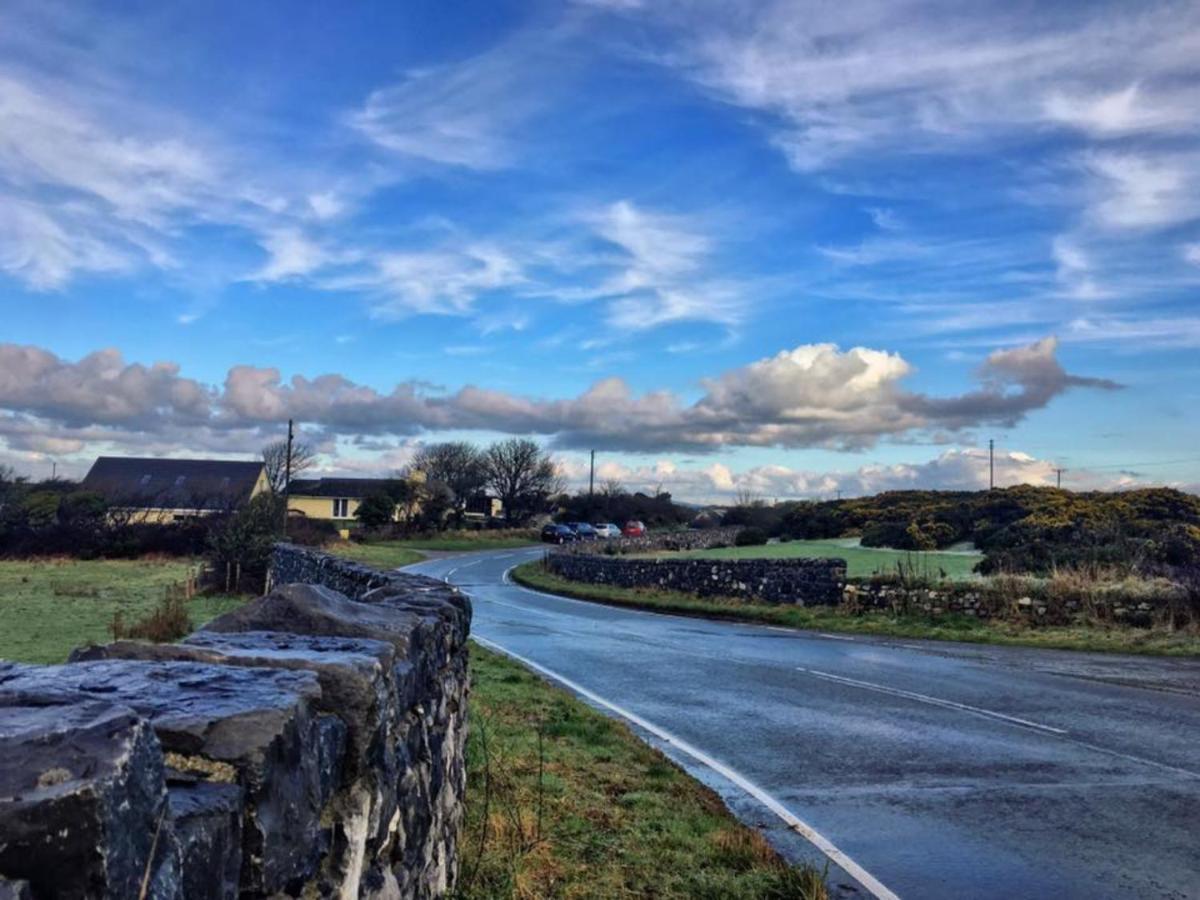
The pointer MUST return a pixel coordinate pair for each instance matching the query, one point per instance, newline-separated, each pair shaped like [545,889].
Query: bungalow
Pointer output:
[169,490]
[338,499]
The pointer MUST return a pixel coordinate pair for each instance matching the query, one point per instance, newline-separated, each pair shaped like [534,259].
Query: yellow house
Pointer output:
[338,499]
[157,490]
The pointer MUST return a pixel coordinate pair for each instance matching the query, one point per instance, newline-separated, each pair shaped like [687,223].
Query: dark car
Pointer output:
[558,534]
[583,531]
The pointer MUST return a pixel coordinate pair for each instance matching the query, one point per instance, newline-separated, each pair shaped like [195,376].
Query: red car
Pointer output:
[634,528]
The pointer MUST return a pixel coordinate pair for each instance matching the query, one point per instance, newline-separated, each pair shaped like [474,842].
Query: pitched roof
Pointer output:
[338,487]
[173,483]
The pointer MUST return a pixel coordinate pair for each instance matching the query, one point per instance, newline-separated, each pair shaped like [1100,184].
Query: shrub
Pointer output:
[750,537]
[311,532]
[167,622]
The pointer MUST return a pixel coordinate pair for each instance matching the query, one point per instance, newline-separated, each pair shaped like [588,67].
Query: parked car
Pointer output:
[634,528]
[607,530]
[558,534]
[583,531]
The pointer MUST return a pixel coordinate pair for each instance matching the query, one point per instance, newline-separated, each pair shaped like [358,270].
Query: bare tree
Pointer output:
[274,457]
[747,498]
[611,488]
[522,475]
[458,465]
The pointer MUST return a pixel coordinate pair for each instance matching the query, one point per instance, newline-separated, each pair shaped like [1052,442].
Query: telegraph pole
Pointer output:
[287,476]
[591,484]
[991,464]
[1058,475]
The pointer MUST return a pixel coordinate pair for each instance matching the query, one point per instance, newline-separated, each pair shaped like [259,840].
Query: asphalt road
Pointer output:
[938,769]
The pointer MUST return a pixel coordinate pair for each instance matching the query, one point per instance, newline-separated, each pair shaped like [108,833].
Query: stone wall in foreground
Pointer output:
[803,582]
[309,744]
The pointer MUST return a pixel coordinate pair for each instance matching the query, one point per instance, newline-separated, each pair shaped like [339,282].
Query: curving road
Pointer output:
[926,769]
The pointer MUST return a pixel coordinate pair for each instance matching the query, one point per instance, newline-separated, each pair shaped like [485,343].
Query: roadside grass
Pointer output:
[393,554]
[565,802]
[382,555]
[48,607]
[499,539]
[860,561]
[1115,639]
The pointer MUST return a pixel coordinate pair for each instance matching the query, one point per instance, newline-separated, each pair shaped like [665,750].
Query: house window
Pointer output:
[341,508]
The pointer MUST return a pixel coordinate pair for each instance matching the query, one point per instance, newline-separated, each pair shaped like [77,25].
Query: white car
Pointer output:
[607,530]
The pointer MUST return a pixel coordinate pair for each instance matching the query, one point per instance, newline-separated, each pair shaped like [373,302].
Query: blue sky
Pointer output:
[776,246]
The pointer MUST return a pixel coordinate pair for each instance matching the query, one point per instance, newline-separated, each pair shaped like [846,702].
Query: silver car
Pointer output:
[607,530]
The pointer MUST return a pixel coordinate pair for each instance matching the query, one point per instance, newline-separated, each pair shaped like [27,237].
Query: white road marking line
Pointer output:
[468,565]
[450,574]
[933,701]
[836,637]
[818,840]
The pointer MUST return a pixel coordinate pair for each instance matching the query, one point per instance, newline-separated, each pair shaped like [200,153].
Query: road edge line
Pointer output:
[873,886]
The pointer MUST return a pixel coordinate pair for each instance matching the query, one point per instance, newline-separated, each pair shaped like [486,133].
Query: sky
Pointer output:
[789,248]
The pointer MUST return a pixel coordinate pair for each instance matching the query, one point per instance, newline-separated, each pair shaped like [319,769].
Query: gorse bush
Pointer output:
[1019,529]
[750,537]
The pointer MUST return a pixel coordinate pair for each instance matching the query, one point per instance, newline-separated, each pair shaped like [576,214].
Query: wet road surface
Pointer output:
[940,770]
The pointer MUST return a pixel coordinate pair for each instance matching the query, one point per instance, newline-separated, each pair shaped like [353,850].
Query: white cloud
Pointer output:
[291,254]
[661,275]
[1135,191]
[1191,253]
[470,113]
[965,468]
[842,80]
[811,396]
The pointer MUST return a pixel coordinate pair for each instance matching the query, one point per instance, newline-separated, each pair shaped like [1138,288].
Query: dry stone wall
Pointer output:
[308,744]
[803,582]
[690,539]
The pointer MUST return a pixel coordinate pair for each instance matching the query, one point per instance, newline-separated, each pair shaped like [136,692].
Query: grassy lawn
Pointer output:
[565,802]
[49,607]
[860,561]
[822,618]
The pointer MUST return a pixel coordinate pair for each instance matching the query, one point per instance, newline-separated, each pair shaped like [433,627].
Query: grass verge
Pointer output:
[48,607]
[394,554]
[382,555]
[1116,639]
[503,539]
[861,562]
[565,802]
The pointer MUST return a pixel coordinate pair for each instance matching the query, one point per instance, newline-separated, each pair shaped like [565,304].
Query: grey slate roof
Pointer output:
[172,483]
[338,487]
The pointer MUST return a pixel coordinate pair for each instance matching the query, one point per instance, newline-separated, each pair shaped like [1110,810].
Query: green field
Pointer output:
[50,607]
[860,561]
[565,802]
[394,554]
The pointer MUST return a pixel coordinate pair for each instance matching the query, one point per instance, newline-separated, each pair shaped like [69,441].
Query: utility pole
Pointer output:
[591,484]
[287,476]
[53,470]
[991,464]
[1058,474]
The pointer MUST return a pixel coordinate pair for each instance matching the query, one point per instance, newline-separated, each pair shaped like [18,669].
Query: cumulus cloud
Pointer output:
[811,396]
[959,468]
